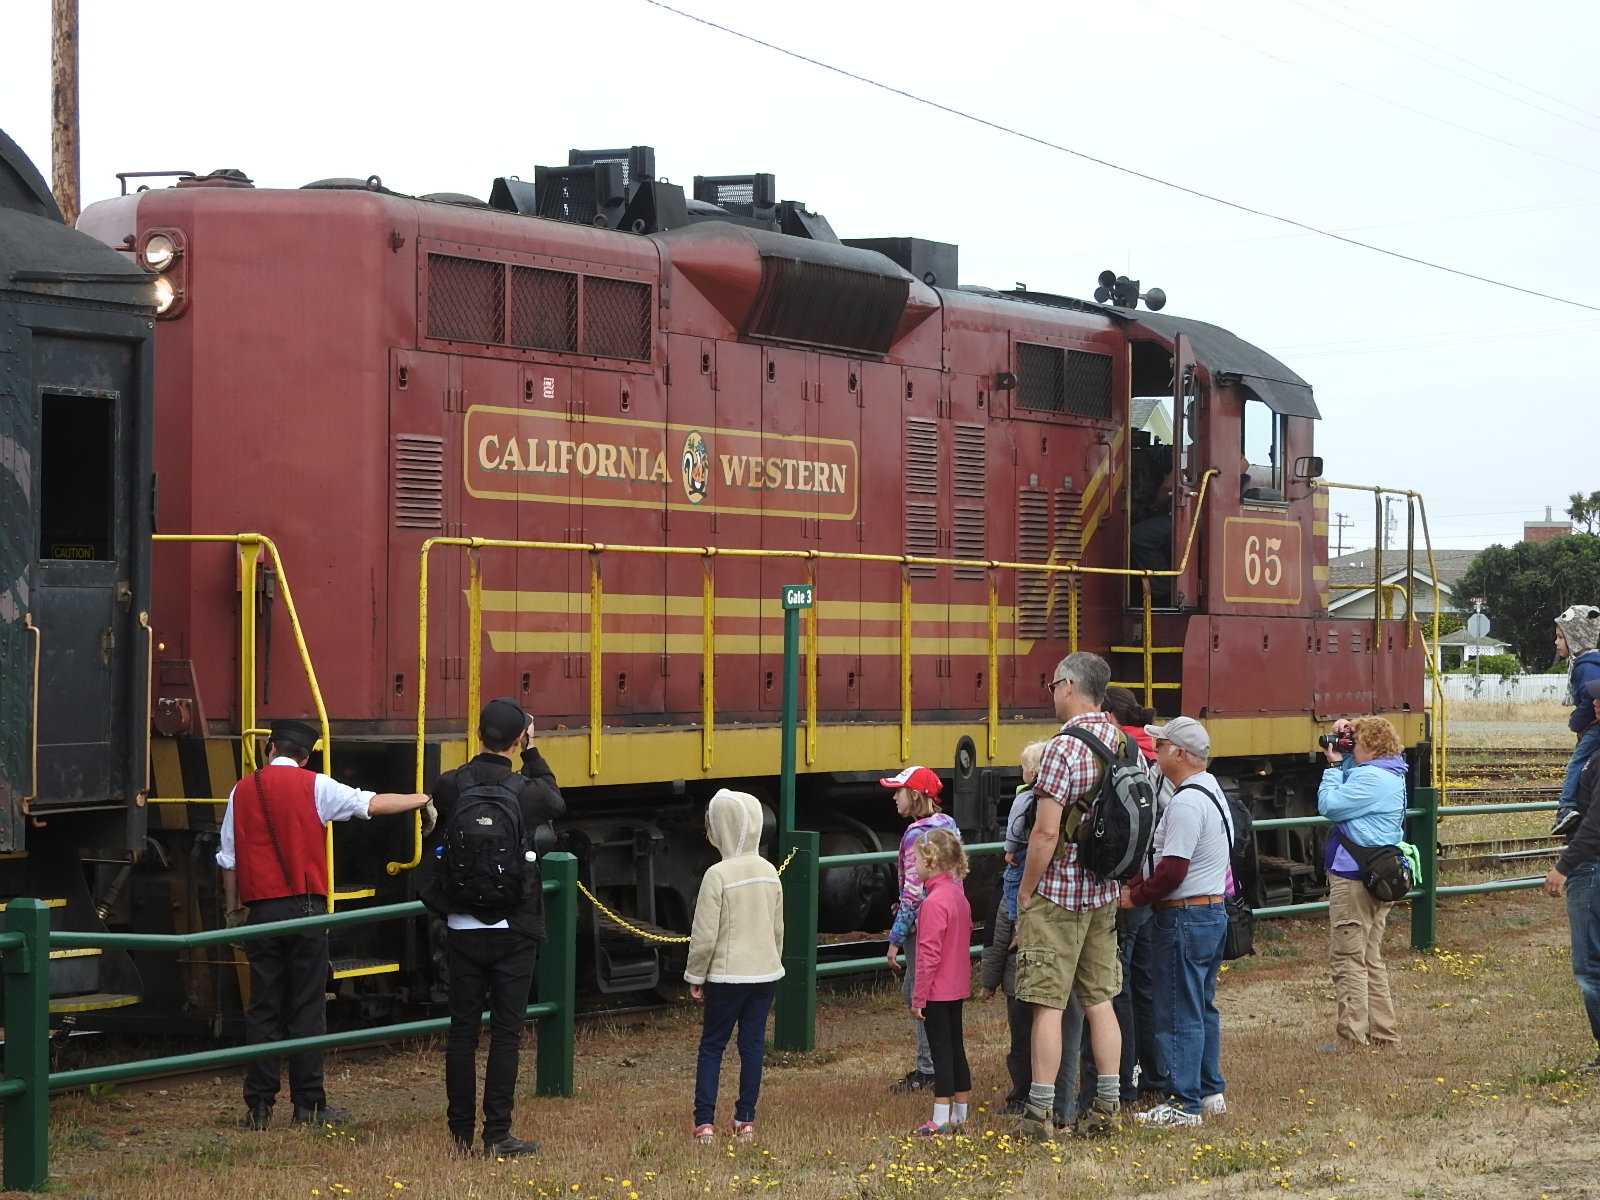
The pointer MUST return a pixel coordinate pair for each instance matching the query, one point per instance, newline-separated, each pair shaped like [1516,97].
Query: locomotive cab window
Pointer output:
[1261,470]
[77,443]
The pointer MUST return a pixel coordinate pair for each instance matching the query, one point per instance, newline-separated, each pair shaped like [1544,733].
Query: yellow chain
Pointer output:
[634,929]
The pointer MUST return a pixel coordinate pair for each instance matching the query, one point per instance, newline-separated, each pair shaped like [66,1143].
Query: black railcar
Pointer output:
[76,496]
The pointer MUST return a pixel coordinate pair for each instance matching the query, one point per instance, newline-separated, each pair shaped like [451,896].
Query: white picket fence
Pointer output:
[1519,689]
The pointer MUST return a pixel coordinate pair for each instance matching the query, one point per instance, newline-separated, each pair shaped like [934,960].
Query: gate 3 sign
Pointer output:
[535,456]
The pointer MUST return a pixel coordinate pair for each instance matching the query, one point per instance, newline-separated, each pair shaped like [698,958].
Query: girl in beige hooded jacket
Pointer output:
[735,958]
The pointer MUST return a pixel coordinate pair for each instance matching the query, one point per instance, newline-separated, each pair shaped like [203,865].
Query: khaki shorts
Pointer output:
[1062,953]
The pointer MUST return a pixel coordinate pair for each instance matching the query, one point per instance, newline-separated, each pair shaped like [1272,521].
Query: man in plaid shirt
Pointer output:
[1066,916]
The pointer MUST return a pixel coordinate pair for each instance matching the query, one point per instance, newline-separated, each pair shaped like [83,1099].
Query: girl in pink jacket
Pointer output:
[944,977]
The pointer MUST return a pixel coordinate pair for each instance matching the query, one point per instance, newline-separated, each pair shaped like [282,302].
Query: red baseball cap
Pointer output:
[918,779]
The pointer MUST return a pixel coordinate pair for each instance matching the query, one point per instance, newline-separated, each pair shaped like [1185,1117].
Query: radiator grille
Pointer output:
[1046,520]
[544,309]
[418,482]
[818,305]
[467,302]
[967,539]
[922,456]
[1051,379]
[1033,545]
[971,474]
[616,318]
[466,299]
[922,535]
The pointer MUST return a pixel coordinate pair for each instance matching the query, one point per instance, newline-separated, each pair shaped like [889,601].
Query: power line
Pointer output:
[1177,187]
[1436,65]
[1466,62]
[1566,162]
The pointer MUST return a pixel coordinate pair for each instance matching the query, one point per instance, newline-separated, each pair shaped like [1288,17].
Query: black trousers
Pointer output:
[489,969]
[950,1071]
[288,990]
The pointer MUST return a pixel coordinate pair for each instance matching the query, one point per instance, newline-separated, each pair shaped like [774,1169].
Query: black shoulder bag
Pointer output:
[1240,939]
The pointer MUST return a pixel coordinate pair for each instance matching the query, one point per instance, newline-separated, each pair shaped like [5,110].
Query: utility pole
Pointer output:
[1341,522]
[64,106]
[1388,521]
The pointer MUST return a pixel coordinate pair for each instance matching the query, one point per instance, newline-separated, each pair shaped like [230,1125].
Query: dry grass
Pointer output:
[1478,1103]
[1481,724]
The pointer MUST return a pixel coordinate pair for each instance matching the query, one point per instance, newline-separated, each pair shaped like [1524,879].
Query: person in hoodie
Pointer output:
[1365,798]
[735,959]
[1577,635]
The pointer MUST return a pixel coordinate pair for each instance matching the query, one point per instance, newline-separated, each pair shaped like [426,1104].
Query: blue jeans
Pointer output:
[727,1005]
[1135,1008]
[1588,743]
[1187,953]
[1583,917]
[1011,884]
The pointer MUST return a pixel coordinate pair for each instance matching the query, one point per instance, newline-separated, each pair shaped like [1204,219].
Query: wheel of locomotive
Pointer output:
[852,898]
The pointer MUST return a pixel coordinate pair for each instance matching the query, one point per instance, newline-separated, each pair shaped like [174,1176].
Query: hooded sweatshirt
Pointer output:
[1368,803]
[738,917]
[1580,626]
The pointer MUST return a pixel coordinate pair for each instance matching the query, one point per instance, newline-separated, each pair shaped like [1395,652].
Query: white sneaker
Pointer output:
[1167,1115]
[1214,1106]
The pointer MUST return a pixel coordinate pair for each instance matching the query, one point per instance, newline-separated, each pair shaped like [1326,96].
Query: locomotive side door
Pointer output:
[92,561]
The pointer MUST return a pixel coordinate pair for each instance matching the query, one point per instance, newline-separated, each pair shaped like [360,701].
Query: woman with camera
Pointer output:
[1363,793]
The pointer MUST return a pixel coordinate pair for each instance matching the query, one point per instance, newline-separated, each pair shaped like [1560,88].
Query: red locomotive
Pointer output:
[687,402]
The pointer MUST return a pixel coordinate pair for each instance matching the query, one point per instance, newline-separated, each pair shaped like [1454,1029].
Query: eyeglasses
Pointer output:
[1055,683]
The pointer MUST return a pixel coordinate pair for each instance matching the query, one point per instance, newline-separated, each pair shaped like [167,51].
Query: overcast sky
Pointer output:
[1465,134]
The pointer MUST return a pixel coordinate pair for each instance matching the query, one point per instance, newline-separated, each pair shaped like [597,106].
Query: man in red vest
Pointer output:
[272,854]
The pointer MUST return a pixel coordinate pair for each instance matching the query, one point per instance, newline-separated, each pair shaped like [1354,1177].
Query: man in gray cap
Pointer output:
[1187,888]
[272,852]
[492,944]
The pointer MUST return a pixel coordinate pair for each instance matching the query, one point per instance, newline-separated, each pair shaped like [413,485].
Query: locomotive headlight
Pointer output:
[166,294]
[159,252]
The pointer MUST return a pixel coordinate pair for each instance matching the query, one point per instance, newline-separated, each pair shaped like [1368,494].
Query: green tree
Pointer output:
[1585,510]
[1525,585]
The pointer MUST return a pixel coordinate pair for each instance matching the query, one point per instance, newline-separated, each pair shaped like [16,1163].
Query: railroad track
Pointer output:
[1495,766]
[1472,856]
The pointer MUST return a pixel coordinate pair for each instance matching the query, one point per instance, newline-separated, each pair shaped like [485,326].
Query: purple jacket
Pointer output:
[911,889]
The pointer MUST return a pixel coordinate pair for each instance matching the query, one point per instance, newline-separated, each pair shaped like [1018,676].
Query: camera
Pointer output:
[1344,741]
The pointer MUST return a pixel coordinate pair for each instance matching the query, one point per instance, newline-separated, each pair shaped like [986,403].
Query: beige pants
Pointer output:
[1355,951]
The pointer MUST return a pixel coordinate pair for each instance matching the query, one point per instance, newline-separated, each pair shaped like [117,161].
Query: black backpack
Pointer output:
[486,861]
[1116,822]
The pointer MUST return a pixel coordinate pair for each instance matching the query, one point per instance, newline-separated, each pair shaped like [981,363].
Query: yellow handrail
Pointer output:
[595,551]
[247,653]
[1416,507]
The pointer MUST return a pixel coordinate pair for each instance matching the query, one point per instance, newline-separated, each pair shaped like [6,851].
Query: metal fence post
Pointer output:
[27,1054]
[795,1024]
[1425,836]
[558,976]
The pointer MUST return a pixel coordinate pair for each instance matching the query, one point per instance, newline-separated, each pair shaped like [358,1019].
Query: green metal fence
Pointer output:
[25,964]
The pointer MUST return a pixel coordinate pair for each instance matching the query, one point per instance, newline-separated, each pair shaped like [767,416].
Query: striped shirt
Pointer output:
[1069,770]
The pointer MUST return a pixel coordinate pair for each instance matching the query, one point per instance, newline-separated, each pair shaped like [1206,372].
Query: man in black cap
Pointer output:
[492,946]
[271,849]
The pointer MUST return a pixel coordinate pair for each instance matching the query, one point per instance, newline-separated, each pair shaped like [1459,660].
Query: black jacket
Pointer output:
[541,801]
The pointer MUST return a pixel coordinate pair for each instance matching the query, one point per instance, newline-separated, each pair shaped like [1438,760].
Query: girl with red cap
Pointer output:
[916,796]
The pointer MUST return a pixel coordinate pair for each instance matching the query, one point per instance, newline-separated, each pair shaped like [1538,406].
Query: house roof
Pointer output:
[1356,569]
[1462,638]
